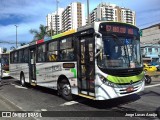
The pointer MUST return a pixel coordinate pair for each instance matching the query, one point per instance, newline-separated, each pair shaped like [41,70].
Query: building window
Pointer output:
[150,50]
[156,50]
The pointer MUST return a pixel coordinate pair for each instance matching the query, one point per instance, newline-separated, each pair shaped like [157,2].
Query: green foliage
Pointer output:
[12,48]
[23,44]
[4,50]
[38,35]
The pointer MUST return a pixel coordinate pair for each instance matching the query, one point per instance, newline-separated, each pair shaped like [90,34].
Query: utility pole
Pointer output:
[16,36]
[88,11]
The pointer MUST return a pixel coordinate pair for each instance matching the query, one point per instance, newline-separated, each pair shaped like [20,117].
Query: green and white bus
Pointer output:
[99,61]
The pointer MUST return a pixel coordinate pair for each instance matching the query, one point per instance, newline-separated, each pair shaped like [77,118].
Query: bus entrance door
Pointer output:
[32,67]
[86,68]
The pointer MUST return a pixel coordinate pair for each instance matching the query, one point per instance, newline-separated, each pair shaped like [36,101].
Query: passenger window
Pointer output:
[66,49]
[41,53]
[52,54]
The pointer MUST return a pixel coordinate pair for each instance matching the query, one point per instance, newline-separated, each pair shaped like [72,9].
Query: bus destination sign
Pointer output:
[121,29]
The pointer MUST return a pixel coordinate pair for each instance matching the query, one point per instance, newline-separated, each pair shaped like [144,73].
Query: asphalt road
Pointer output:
[14,97]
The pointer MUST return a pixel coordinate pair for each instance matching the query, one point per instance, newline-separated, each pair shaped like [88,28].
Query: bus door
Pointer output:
[86,67]
[32,66]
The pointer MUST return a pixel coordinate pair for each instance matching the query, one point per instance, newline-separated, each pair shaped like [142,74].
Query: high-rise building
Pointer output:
[112,12]
[73,16]
[54,21]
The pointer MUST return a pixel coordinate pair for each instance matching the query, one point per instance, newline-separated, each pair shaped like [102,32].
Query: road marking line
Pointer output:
[17,86]
[152,85]
[69,103]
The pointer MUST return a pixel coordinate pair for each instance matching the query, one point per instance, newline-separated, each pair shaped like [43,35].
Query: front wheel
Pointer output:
[64,89]
[148,79]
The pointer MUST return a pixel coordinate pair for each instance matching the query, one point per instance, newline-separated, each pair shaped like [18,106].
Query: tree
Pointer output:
[12,48]
[23,44]
[50,33]
[4,50]
[38,35]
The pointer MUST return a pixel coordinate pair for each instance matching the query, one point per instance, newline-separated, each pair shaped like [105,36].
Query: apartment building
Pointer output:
[73,16]
[150,42]
[112,12]
[54,21]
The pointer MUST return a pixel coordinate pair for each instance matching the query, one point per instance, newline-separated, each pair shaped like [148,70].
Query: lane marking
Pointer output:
[17,86]
[152,85]
[69,103]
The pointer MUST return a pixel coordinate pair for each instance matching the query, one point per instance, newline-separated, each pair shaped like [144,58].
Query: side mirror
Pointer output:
[98,35]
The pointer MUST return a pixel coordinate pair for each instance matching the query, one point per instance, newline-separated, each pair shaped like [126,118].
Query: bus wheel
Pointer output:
[66,91]
[22,79]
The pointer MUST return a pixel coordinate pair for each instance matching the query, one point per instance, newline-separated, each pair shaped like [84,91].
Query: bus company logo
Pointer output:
[131,82]
[6,114]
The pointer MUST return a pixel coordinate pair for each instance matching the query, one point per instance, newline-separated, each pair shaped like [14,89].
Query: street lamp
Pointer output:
[16,35]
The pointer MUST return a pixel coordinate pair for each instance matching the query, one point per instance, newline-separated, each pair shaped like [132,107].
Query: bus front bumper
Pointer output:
[104,92]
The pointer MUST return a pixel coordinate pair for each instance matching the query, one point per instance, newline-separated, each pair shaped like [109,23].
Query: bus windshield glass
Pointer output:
[120,52]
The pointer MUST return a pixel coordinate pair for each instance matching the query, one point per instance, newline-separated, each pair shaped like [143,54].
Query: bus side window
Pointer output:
[66,49]
[52,53]
[25,56]
[41,53]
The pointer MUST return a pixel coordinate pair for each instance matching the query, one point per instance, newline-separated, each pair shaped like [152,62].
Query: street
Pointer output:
[14,97]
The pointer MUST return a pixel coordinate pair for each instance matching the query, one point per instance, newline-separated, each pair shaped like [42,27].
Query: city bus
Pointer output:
[98,61]
[4,65]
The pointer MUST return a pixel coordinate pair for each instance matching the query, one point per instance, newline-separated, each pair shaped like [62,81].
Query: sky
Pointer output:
[29,14]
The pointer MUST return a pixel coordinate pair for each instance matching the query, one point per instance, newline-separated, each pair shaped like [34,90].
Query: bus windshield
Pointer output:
[120,53]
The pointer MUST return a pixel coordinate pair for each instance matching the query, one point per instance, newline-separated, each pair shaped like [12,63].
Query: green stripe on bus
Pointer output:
[115,79]
[74,72]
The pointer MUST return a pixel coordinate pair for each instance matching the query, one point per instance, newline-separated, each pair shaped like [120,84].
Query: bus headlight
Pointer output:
[106,81]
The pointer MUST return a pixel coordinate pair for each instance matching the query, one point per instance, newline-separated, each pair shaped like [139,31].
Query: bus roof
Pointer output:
[88,26]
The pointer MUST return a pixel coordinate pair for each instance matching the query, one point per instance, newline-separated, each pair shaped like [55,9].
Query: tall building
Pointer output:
[112,12]
[54,21]
[73,16]
[150,43]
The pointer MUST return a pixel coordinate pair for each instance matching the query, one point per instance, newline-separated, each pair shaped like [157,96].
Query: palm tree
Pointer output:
[38,35]
[12,48]
[23,44]
[4,50]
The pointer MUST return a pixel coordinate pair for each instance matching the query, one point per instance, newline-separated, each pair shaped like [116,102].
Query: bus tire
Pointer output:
[22,80]
[66,92]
